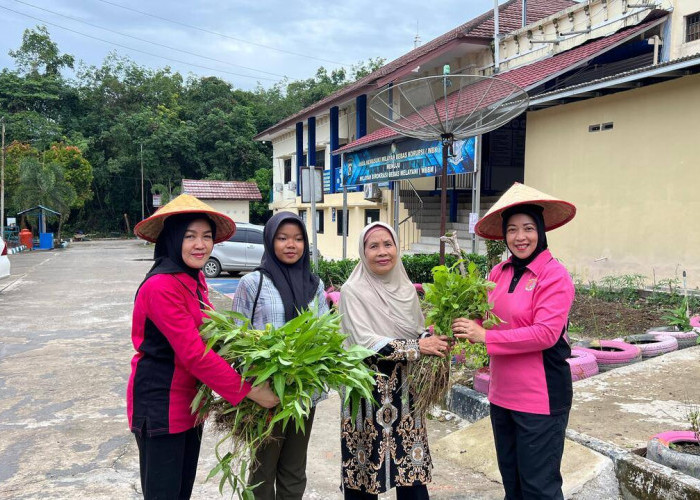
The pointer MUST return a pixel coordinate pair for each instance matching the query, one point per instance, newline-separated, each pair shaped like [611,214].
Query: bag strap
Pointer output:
[257,296]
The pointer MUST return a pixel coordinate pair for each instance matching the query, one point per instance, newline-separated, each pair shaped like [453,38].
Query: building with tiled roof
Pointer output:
[616,47]
[230,197]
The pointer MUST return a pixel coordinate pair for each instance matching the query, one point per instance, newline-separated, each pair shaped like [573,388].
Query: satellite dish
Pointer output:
[448,108]
[453,106]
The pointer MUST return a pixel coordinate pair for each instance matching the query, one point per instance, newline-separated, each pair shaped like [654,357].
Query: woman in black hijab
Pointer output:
[530,389]
[171,358]
[282,286]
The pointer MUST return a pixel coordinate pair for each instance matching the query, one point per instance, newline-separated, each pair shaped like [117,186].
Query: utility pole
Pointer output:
[2,180]
[143,211]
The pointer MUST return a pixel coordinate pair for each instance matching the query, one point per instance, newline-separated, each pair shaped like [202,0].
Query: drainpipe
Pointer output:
[656,41]
[524,9]
[496,48]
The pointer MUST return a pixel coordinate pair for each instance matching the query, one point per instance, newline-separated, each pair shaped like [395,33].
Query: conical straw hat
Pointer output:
[149,229]
[556,212]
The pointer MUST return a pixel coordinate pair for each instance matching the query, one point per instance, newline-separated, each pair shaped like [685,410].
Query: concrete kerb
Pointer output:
[15,250]
[638,477]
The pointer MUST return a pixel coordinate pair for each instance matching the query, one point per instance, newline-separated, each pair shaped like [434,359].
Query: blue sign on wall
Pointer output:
[406,159]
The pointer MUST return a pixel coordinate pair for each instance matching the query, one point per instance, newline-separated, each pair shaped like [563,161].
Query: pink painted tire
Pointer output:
[583,364]
[419,289]
[684,339]
[653,345]
[695,321]
[611,354]
[482,378]
[333,299]
[659,451]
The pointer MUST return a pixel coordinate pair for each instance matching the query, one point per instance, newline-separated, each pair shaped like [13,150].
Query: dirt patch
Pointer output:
[592,317]
[685,447]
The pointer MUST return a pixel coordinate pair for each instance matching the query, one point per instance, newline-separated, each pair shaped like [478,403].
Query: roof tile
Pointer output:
[221,190]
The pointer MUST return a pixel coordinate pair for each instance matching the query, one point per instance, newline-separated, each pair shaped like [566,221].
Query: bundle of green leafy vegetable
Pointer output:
[452,294]
[306,356]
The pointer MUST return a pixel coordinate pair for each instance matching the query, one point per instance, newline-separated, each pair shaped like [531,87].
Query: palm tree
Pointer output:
[44,185]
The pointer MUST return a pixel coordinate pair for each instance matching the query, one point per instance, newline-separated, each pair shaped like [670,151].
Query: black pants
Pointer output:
[419,492]
[529,448]
[169,464]
[282,463]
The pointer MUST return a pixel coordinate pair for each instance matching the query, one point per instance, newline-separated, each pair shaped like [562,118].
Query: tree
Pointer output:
[44,185]
[38,52]
[77,170]
[259,210]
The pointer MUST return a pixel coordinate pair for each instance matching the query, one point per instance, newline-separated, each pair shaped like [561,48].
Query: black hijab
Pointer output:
[534,211]
[296,284]
[168,252]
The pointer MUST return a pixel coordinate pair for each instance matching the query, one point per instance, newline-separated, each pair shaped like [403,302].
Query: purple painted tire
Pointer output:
[653,345]
[684,339]
[482,378]
[611,354]
[583,364]
[660,452]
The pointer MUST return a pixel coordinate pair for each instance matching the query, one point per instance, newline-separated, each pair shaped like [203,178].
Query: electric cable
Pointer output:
[147,41]
[138,50]
[204,30]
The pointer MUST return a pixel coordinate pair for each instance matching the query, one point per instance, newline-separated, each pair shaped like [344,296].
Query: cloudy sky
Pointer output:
[241,41]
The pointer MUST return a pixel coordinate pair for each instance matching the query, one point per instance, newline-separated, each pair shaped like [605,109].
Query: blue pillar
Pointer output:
[300,154]
[335,143]
[311,137]
[360,116]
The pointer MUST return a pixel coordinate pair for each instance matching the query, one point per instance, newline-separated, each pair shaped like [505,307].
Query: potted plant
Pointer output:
[679,450]
[678,325]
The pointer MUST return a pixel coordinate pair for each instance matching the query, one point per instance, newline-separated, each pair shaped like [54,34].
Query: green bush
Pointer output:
[335,272]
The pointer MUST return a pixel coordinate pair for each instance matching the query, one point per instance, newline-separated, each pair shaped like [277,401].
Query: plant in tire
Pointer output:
[451,295]
[678,317]
[305,356]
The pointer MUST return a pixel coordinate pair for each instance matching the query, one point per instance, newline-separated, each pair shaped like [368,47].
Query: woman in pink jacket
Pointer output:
[170,356]
[530,389]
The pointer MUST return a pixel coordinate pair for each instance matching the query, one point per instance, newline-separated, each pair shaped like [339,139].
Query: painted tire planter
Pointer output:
[653,344]
[684,339]
[482,378]
[333,299]
[583,364]
[660,452]
[610,354]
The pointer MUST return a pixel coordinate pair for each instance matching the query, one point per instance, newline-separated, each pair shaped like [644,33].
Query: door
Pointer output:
[254,248]
[231,253]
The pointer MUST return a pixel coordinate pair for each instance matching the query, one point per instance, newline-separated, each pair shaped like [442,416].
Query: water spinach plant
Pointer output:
[300,359]
[453,294]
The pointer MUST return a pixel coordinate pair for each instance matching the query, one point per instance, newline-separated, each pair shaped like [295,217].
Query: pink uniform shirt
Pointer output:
[529,372]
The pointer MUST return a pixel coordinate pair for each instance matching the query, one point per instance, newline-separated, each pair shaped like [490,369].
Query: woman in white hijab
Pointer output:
[386,447]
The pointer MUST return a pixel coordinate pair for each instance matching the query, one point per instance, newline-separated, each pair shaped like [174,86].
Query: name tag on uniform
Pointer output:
[531,284]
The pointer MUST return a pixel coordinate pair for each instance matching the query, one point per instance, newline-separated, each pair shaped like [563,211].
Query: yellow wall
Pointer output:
[679,47]
[637,186]
[238,210]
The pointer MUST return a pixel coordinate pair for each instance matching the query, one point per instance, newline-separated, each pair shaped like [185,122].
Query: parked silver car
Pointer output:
[4,260]
[241,252]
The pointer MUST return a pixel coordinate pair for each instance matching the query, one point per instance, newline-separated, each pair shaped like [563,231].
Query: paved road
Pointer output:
[64,363]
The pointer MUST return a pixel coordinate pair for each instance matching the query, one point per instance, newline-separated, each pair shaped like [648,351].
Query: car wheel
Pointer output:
[212,268]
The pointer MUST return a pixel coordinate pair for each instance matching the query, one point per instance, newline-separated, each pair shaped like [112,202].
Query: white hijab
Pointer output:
[375,307]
